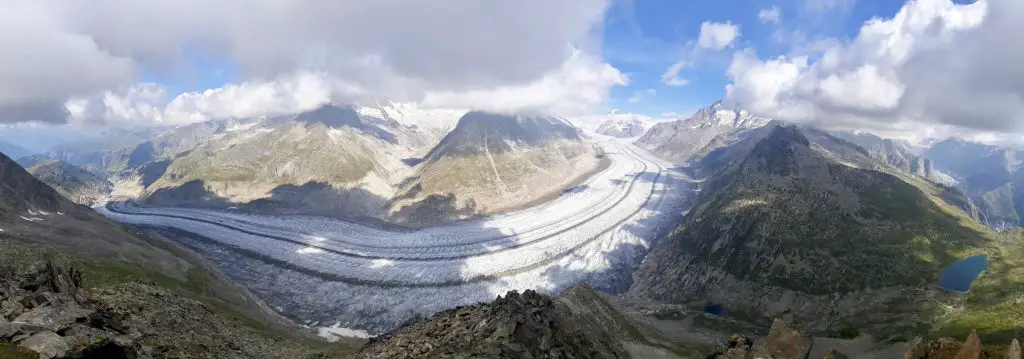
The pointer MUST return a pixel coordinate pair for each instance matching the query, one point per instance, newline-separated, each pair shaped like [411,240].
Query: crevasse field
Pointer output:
[355,280]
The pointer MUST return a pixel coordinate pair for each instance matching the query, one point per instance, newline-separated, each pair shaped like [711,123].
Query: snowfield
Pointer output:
[335,274]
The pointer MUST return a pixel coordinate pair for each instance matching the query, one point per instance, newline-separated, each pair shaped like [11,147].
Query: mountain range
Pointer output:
[395,163]
[847,236]
[76,184]
[12,150]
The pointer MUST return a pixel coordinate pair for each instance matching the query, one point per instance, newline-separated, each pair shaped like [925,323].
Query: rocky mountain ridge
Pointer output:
[806,234]
[72,182]
[491,163]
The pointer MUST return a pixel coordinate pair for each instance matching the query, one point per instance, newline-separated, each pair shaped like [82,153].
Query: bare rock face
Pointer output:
[785,342]
[971,348]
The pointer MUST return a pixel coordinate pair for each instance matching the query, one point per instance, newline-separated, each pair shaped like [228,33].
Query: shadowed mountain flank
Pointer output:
[70,181]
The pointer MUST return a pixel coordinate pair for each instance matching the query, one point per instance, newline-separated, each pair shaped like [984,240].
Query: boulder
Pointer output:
[47,344]
[54,317]
[785,342]
[10,309]
[107,319]
[10,330]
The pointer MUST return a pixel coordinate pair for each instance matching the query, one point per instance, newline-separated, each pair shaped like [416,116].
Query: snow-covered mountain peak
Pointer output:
[719,115]
[624,125]
[412,114]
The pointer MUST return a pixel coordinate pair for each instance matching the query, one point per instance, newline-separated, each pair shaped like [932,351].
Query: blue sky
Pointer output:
[645,37]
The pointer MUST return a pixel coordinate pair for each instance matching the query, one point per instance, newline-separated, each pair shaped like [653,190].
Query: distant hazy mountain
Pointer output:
[990,175]
[12,150]
[492,162]
[796,224]
[70,181]
[139,150]
[331,160]
[709,128]
[624,125]
[899,154]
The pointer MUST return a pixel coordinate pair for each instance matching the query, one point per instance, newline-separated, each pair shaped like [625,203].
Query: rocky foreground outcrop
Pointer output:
[45,313]
[527,325]
[786,342]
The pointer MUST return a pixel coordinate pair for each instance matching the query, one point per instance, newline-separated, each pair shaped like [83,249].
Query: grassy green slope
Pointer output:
[858,248]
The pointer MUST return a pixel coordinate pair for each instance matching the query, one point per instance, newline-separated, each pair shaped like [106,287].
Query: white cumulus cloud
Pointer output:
[935,65]
[58,50]
[671,76]
[770,15]
[717,35]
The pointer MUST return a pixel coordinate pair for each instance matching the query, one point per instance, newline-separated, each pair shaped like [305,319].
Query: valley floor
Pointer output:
[359,279]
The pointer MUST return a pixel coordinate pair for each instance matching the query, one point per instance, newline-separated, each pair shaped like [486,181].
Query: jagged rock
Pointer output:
[54,318]
[738,347]
[107,319]
[63,279]
[971,348]
[527,325]
[942,348]
[47,344]
[784,342]
[835,354]
[10,309]
[1014,351]
[11,330]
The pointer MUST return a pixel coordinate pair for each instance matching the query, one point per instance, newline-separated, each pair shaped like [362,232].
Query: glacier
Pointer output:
[368,279]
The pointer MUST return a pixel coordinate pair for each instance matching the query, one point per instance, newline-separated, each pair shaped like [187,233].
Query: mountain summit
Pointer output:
[687,140]
[494,162]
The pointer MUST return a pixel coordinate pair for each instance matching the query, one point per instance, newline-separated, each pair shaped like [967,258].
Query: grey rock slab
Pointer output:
[47,344]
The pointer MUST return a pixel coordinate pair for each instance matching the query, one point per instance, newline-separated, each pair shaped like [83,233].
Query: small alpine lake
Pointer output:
[959,275]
